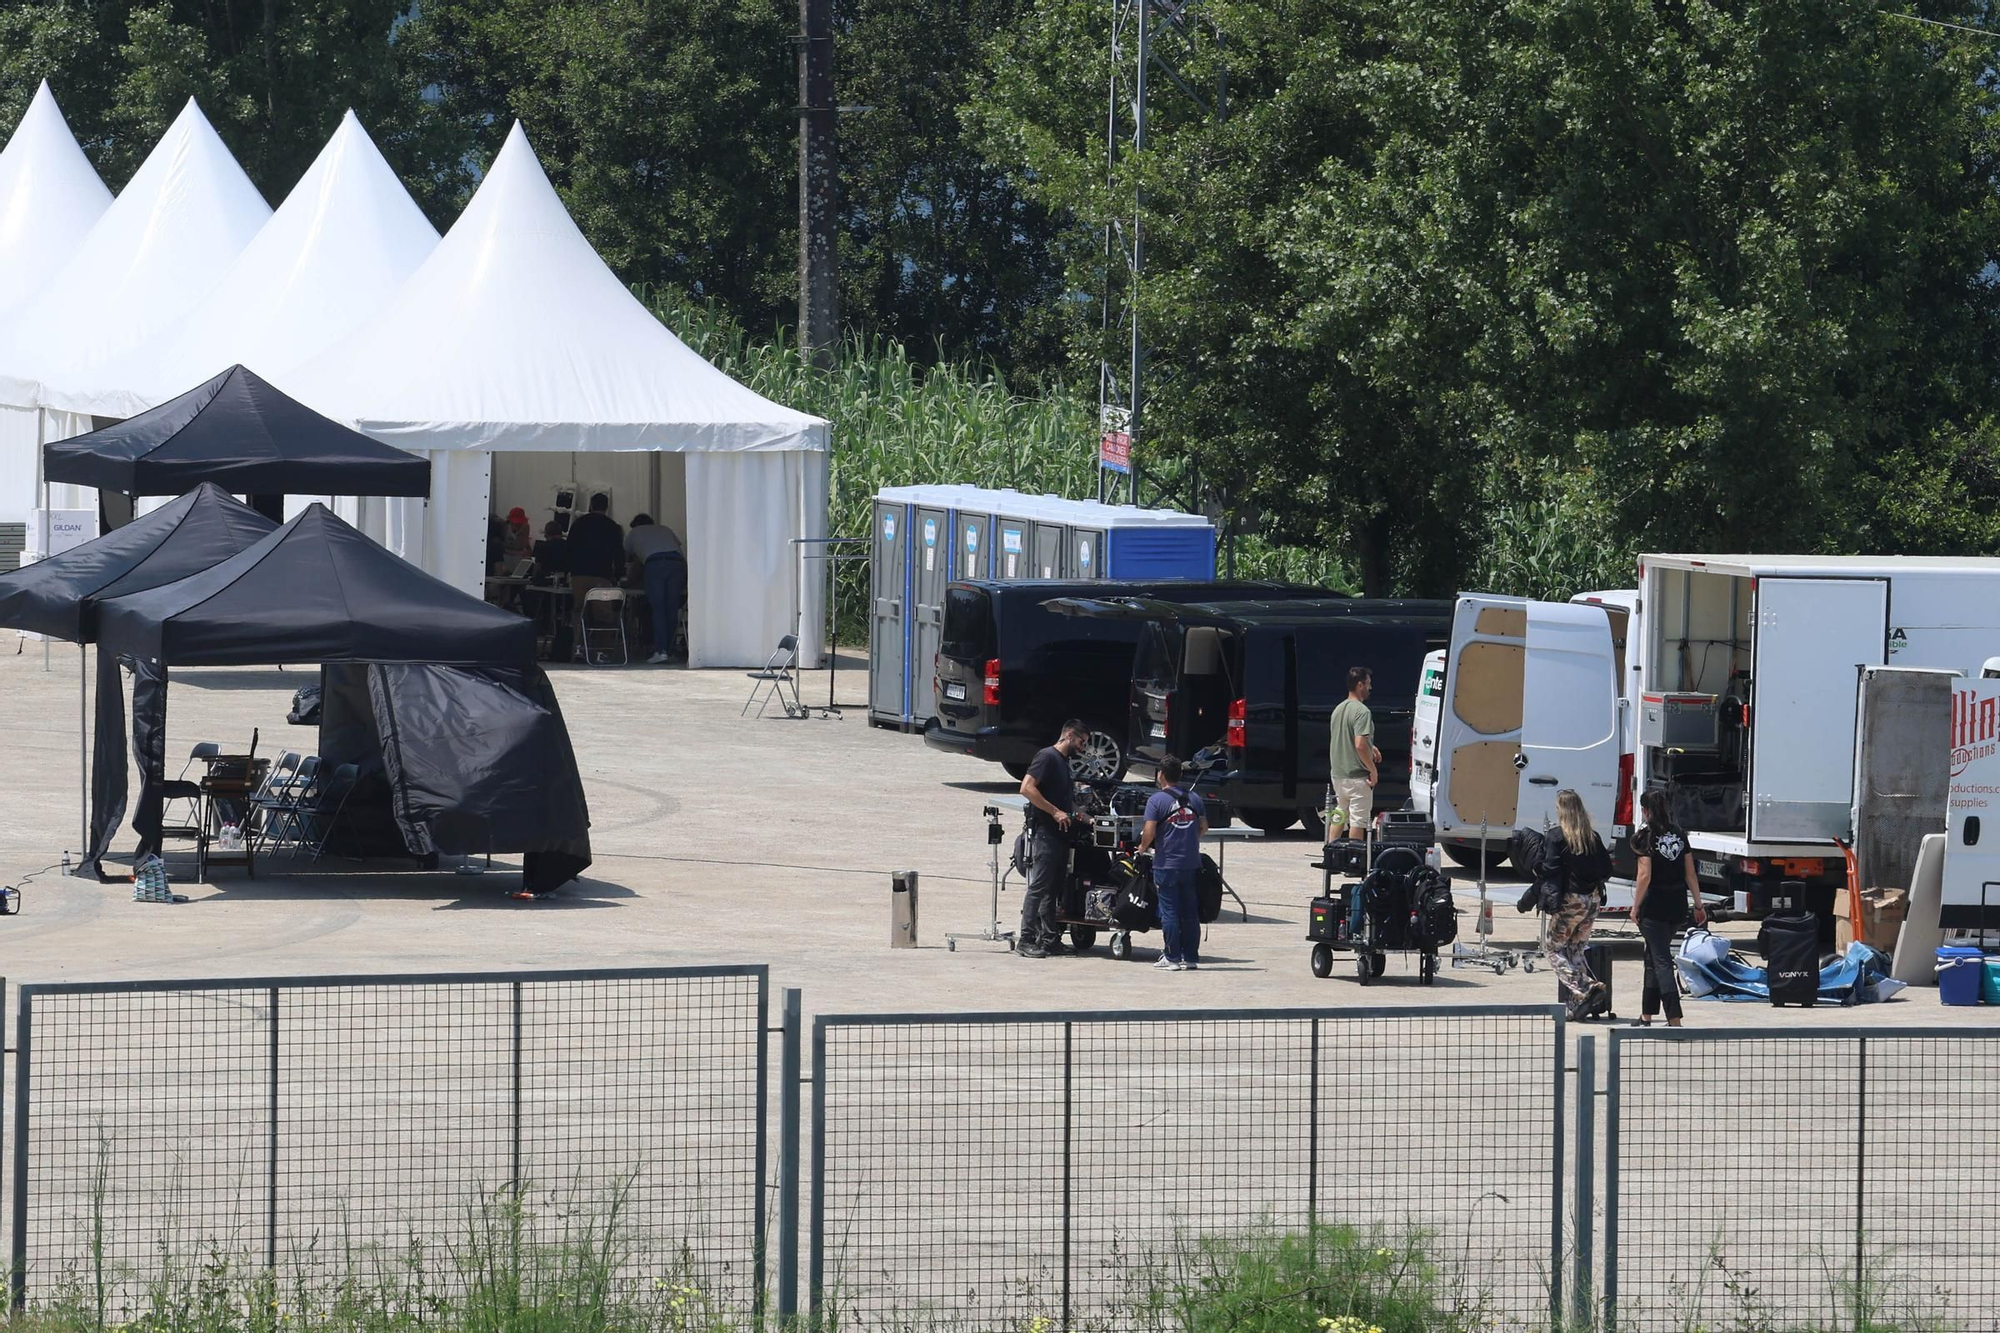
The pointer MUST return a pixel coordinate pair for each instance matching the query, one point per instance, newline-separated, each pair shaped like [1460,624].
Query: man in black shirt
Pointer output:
[596,555]
[1050,790]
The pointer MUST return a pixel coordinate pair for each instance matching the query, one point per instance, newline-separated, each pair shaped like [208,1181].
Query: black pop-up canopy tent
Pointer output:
[239,432]
[59,597]
[436,690]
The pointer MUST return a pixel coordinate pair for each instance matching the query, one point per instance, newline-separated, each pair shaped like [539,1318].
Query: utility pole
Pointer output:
[1148,37]
[819,183]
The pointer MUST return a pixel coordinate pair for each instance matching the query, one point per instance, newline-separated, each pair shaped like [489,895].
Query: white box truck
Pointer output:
[1749,673]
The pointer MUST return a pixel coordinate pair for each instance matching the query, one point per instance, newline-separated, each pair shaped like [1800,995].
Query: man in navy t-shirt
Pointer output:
[1175,821]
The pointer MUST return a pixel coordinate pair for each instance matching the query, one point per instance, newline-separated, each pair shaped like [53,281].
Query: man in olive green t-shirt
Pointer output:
[1352,758]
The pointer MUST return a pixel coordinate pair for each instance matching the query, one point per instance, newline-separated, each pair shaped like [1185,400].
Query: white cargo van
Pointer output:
[1749,673]
[1526,704]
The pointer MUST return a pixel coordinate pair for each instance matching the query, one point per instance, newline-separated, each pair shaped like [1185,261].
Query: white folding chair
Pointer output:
[615,599]
[778,675]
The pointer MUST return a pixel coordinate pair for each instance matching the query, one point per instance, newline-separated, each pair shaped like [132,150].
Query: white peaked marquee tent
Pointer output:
[156,252]
[343,241]
[515,360]
[49,198]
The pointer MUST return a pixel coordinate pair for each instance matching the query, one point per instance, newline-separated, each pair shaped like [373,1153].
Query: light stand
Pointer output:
[996,833]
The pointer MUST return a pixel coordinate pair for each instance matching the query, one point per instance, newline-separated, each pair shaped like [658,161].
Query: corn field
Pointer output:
[898,423]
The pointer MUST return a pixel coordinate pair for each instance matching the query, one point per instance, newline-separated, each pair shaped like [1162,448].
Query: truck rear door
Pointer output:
[1813,636]
[1530,707]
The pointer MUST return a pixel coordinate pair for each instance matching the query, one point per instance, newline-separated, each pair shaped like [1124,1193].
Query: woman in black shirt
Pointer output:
[1660,902]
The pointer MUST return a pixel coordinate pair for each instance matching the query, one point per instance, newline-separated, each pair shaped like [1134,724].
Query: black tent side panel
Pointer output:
[149,748]
[108,782]
[367,824]
[480,761]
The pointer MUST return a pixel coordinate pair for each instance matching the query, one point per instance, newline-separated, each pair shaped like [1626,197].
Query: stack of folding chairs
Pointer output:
[299,805]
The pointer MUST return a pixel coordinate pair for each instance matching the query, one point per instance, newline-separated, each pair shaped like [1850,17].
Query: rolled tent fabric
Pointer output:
[479,761]
[367,826]
[108,783]
[149,749]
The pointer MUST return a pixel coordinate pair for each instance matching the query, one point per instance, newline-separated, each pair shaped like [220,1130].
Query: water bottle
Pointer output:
[65,863]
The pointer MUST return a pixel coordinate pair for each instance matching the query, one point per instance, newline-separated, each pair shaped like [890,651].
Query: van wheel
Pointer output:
[1269,821]
[1014,770]
[1467,855]
[1103,757]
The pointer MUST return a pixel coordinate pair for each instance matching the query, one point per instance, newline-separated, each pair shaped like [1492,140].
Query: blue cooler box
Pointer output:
[1961,968]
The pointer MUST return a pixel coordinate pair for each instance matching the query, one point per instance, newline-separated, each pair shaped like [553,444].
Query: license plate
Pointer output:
[954,689]
[1159,732]
[1710,869]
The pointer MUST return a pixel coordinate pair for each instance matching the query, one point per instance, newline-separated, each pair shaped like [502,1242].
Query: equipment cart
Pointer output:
[1406,905]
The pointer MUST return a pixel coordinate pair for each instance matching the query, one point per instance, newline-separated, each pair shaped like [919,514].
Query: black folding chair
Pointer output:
[321,813]
[780,673]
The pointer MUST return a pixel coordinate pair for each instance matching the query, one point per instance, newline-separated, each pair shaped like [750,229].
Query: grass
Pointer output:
[583,1270]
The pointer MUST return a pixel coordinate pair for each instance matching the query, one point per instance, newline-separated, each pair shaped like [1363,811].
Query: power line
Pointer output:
[1938,23]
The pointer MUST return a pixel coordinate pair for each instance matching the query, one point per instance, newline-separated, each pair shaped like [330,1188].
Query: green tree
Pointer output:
[273,76]
[667,125]
[1672,275]
[939,249]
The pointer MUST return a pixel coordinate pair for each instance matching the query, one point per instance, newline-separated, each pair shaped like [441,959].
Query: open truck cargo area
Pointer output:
[1750,686]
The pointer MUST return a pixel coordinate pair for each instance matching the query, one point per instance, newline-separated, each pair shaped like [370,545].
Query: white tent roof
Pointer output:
[49,197]
[340,245]
[157,250]
[514,335]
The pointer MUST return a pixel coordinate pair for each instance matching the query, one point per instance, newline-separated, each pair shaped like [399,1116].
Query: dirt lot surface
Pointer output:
[719,839]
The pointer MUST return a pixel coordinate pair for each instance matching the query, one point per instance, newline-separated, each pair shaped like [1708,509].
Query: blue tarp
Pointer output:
[1862,977]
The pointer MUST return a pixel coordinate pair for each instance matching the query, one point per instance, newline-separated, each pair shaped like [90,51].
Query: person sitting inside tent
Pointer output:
[656,554]
[596,556]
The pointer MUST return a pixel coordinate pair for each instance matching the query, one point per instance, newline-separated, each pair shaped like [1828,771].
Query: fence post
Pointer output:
[1860,1177]
[1611,1187]
[514,1102]
[1581,1283]
[816,1253]
[1312,1150]
[1556,1172]
[271,1178]
[759,1235]
[18,1275]
[1068,1100]
[790,1075]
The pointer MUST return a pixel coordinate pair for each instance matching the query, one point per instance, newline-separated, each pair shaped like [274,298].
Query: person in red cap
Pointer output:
[520,541]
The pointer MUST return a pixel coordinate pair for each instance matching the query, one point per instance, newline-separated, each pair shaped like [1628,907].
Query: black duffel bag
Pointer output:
[1208,889]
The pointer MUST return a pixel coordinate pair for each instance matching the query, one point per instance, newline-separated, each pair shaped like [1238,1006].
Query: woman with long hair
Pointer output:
[1573,866]
[1665,886]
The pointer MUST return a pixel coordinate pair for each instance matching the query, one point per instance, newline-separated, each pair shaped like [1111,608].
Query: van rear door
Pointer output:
[1813,635]
[1530,707]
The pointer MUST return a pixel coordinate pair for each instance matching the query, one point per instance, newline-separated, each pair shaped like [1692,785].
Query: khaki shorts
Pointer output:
[1356,797]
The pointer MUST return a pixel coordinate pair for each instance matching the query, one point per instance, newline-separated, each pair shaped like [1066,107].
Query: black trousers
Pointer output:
[1048,872]
[1663,986]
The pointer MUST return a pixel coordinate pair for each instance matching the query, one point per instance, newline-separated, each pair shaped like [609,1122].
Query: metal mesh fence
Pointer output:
[1843,1180]
[578,1126]
[983,1170]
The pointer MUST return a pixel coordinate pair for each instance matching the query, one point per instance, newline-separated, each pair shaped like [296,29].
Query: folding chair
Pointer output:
[279,801]
[615,599]
[777,675]
[323,813]
[181,789]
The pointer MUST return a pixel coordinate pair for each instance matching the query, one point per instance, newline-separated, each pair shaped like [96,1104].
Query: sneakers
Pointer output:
[1192,967]
[656,659]
[1055,948]
[1030,949]
[1166,964]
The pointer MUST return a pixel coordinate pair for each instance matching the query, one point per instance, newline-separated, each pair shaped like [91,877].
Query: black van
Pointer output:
[1010,671]
[1263,679]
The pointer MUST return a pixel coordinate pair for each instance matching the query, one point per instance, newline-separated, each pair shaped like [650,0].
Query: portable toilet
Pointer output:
[1153,544]
[923,538]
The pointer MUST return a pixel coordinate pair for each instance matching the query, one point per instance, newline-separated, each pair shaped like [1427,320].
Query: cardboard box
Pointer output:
[1882,915]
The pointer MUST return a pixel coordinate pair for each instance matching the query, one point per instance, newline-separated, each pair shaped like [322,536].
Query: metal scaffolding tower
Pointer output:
[1149,39]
